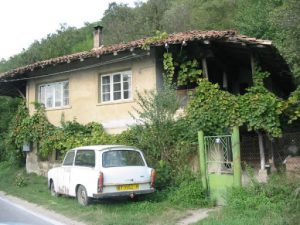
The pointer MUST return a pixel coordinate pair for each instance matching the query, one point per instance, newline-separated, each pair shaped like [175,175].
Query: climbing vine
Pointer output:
[159,36]
[169,69]
[37,129]
[213,110]
[189,73]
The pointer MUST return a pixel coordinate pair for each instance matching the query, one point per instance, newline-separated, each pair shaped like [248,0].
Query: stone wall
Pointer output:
[293,166]
[35,165]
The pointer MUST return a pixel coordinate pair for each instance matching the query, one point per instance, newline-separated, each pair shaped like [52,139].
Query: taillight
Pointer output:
[152,178]
[100,182]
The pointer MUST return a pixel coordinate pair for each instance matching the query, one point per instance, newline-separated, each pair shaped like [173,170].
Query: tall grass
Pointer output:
[274,203]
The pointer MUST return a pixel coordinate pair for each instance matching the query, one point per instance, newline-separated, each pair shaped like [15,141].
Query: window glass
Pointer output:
[117,78]
[116,86]
[49,96]
[66,93]
[117,95]
[85,158]
[54,94]
[126,95]
[58,95]
[119,158]
[69,159]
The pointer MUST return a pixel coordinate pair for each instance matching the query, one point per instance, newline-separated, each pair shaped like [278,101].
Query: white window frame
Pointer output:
[111,85]
[63,97]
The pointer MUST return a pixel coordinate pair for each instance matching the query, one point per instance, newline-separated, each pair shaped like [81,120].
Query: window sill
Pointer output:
[116,102]
[58,108]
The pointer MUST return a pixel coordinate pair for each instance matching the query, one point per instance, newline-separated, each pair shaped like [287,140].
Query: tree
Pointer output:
[8,107]
[286,20]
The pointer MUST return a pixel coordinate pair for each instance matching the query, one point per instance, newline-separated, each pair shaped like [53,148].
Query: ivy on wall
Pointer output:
[37,129]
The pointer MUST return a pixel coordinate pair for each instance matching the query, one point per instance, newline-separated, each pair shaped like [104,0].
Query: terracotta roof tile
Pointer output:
[174,38]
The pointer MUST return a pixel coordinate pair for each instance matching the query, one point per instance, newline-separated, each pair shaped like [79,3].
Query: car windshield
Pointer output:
[119,158]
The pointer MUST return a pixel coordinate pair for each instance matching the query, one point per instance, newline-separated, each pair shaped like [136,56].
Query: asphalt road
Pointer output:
[15,214]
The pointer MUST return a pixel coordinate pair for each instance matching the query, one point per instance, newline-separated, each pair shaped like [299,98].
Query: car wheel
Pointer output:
[82,196]
[52,190]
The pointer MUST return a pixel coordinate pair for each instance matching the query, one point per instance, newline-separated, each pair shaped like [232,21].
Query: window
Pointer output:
[54,95]
[116,86]
[69,159]
[119,158]
[85,158]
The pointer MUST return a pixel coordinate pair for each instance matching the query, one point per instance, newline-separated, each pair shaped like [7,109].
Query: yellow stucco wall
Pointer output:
[83,95]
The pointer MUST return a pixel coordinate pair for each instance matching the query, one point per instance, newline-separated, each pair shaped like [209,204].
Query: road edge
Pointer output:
[37,210]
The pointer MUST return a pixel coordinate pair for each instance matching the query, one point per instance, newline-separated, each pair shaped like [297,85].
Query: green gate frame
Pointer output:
[221,181]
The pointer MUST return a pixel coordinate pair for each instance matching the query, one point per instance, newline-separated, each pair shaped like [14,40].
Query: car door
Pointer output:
[65,177]
[84,172]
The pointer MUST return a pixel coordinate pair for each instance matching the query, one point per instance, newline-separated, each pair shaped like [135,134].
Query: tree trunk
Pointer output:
[261,150]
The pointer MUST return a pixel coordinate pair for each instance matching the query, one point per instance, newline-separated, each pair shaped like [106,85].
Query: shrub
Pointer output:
[189,194]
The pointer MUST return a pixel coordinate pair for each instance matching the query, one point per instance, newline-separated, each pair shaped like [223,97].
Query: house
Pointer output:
[101,84]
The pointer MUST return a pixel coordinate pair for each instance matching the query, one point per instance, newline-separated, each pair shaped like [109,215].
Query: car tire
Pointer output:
[52,190]
[82,196]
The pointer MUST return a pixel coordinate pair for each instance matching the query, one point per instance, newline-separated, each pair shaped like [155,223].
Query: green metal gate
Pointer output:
[220,163]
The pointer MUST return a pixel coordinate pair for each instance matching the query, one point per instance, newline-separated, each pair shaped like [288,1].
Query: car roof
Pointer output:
[102,147]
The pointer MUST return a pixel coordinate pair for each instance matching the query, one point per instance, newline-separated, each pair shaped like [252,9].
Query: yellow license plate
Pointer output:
[128,187]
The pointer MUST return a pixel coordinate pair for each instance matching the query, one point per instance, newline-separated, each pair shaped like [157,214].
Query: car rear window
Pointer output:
[85,158]
[119,158]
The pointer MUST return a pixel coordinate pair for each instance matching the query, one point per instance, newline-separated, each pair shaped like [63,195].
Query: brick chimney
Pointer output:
[98,36]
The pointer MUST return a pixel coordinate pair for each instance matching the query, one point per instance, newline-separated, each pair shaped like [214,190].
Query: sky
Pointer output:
[24,21]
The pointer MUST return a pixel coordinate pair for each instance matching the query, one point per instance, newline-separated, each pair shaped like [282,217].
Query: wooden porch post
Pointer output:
[204,67]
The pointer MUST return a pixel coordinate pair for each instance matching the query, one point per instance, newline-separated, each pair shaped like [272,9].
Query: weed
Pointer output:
[20,180]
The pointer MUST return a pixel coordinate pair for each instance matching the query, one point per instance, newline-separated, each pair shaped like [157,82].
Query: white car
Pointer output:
[102,171]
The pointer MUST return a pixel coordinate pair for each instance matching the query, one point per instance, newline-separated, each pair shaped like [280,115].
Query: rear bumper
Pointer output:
[123,193]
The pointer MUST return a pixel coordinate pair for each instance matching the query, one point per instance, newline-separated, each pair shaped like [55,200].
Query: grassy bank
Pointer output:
[275,203]
[158,208]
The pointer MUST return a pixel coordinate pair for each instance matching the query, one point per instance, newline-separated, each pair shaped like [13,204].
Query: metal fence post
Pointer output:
[202,159]
[236,152]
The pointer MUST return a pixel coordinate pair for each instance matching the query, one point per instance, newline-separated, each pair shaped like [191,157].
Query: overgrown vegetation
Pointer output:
[273,203]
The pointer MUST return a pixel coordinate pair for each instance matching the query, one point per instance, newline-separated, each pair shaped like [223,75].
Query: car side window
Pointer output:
[85,158]
[69,159]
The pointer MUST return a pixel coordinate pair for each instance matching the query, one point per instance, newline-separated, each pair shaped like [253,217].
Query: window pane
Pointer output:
[106,97]
[49,96]
[85,158]
[42,95]
[69,159]
[58,94]
[117,87]
[117,78]
[105,88]
[105,80]
[125,86]
[66,101]
[66,93]
[126,95]
[118,158]
[126,77]
[117,95]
